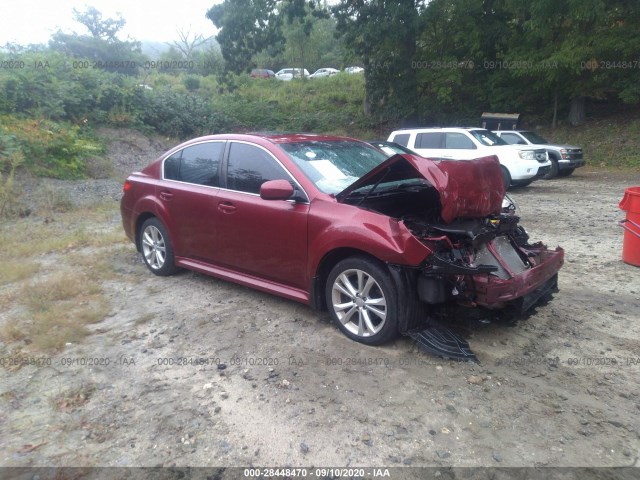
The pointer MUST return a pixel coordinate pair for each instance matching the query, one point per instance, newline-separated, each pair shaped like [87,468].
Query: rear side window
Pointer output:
[172,166]
[402,139]
[249,167]
[196,164]
[429,140]
[458,140]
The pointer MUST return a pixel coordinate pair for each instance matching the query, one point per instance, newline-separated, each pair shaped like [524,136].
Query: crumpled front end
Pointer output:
[485,263]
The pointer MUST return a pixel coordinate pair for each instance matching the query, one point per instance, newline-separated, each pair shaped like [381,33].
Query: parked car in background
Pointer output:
[564,158]
[324,72]
[521,165]
[382,243]
[291,73]
[354,69]
[261,73]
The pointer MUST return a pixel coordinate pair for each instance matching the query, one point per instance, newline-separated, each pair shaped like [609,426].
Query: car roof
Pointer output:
[272,137]
[423,129]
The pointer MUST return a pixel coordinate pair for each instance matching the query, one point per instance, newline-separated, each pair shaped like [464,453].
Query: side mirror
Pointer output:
[276,190]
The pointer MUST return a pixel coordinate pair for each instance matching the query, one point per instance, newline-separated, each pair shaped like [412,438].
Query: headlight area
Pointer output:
[527,154]
[486,263]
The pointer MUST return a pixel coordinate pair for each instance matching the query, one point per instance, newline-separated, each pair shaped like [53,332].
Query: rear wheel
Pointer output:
[362,300]
[506,177]
[566,173]
[554,170]
[157,249]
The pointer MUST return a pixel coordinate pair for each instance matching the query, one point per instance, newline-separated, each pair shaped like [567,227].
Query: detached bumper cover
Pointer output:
[493,292]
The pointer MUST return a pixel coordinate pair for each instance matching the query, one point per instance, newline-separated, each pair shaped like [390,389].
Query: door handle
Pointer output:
[166,195]
[226,207]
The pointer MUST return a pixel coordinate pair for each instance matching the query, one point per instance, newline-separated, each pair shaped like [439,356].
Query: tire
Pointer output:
[506,178]
[566,173]
[156,247]
[363,301]
[553,173]
[521,183]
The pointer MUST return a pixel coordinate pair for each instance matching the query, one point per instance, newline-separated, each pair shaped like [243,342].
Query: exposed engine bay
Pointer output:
[468,254]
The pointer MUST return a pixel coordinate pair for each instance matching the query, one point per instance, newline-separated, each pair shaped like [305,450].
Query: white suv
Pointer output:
[521,165]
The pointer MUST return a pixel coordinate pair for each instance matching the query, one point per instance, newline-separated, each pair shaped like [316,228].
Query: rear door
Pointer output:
[458,146]
[265,238]
[429,144]
[188,191]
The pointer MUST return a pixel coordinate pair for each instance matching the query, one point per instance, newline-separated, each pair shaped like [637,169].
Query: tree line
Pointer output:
[434,61]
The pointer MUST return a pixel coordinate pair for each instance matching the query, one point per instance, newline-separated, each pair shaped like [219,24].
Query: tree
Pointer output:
[187,45]
[578,49]
[102,47]
[99,28]
[383,33]
[301,18]
[247,27]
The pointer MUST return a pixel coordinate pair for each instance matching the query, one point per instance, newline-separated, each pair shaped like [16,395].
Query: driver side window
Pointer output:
[249,167]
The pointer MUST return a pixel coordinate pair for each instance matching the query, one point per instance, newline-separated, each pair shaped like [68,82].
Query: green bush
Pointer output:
[181,115]
[50,149]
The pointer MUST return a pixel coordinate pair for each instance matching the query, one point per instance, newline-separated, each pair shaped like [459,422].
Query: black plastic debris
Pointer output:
[444,343]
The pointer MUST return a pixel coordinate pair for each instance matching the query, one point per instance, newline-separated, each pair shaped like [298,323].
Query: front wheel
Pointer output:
[362,300]
[506,177]
[553,172]
[566,173]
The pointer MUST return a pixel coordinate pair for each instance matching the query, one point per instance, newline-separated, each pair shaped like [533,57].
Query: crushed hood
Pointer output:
[467,188]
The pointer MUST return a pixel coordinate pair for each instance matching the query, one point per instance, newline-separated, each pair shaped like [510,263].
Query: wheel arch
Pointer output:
[553,155]
[143,217]
[326,264]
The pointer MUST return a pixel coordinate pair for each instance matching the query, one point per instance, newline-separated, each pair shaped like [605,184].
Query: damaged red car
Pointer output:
[388,246]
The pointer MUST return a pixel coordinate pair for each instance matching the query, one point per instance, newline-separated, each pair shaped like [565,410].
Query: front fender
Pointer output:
[335,226]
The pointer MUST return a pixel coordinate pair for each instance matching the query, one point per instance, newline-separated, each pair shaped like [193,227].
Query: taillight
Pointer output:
[127,186]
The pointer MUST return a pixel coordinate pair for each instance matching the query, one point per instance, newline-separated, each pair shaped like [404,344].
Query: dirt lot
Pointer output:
[193,371]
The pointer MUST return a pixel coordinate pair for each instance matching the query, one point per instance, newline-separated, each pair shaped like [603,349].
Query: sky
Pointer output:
[33,21]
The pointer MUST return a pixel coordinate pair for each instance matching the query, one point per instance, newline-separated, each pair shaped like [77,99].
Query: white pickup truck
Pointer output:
[564,158]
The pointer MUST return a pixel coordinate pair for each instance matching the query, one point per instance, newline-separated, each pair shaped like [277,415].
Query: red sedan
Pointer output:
[387,245]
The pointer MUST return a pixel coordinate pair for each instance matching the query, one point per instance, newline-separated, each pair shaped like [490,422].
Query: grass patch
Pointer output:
[58,310]
[64,231]
[15,270]
[39,295]
[606,143]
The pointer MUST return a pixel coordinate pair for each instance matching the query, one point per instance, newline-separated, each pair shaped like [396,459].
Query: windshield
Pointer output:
[534,138]
[391,148]
[487,138]
[333,165]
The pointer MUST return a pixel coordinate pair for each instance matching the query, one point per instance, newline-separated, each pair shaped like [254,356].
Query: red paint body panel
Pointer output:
[492,291]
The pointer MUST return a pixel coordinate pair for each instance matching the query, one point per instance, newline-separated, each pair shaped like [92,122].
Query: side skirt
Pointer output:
[245,279]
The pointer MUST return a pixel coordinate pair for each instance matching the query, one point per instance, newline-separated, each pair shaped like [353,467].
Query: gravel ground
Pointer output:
[279,385]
